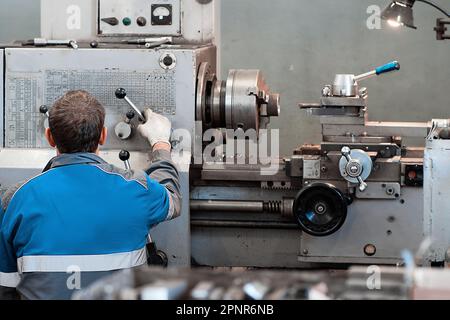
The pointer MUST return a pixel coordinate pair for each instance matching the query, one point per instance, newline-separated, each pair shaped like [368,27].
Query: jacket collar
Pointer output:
[67,159]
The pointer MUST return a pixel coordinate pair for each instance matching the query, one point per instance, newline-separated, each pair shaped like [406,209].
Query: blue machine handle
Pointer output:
[388,67]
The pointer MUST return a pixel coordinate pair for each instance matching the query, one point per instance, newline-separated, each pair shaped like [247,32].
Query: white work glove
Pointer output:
[156,128]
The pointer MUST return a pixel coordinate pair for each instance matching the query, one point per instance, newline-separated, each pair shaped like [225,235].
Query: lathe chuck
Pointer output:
[243,101]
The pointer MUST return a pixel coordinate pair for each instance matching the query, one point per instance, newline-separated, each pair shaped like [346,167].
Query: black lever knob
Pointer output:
[43,109]
[121,93]
[130,114]
[124,155]
[113,21]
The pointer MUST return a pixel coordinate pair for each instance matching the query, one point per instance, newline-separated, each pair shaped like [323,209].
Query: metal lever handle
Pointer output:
[388,67]
[345,151]
[362,184]
[41,42]
[124,155]
[121,93]
[44,110]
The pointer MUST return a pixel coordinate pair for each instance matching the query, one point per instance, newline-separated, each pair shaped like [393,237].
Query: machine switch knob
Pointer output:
[141,21]
[130,114]
[121,93]
[111,21]
[44,110]
[124,155]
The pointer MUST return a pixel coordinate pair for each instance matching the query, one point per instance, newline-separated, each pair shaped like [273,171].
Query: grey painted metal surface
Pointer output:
[1,97]
[262,247]
[436,220]
[246,247]
[390,225]
[68,19]
[174,237]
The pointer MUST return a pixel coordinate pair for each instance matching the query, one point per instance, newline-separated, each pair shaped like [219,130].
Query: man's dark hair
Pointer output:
[76,121]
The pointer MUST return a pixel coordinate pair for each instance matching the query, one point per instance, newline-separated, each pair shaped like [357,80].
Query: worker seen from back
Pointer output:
[82,217]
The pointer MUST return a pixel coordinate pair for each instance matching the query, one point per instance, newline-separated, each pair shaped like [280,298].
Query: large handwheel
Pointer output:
[320,209]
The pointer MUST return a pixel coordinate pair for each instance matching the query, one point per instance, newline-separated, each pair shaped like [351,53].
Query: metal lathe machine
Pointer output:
[358,197]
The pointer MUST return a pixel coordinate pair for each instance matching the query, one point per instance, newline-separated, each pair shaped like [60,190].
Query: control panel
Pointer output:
[139,17]
[125,81]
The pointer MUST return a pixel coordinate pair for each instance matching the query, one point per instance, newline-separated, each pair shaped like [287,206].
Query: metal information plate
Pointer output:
[139,17]
[311,168]
[27,91]
[102,84]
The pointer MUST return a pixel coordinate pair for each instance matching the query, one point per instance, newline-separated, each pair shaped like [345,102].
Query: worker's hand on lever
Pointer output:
[157,130]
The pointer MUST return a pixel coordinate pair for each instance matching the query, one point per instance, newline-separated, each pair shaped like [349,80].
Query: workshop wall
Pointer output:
[19,19]
[301,44]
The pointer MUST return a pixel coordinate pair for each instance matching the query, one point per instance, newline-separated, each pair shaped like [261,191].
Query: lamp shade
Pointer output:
[400,13]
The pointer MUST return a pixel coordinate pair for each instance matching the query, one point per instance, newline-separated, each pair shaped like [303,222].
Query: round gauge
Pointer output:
[161,12]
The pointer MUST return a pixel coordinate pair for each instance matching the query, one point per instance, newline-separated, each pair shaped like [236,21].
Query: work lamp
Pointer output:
[400,13]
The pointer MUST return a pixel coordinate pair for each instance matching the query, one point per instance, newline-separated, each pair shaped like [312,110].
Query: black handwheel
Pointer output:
[320,209]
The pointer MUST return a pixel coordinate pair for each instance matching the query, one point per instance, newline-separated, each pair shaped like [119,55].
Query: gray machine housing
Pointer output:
[382,221]
[436,223]
[191,21]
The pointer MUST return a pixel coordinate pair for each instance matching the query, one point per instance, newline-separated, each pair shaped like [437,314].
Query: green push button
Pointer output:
[126,21]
